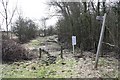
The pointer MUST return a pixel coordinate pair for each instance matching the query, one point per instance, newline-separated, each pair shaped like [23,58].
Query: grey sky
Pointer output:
[33,9]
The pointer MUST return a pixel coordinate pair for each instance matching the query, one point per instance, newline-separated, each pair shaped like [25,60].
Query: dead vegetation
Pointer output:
[13,51]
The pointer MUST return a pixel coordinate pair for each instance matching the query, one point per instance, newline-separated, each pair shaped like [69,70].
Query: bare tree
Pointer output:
[5,13]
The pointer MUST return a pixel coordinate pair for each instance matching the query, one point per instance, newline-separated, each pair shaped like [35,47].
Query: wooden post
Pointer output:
[61,52]
[0,48]
[100,41]
[40,51]
[73,49]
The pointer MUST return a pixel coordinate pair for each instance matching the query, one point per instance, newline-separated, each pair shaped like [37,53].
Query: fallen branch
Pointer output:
[110,44]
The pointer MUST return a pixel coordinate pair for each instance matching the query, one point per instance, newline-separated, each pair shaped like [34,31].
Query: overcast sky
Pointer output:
[33,9]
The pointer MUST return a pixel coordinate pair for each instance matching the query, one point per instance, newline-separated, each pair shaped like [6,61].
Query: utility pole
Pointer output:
[100,40]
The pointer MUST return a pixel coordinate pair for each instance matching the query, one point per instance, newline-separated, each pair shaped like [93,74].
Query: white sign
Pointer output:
[100,18]
[73,40]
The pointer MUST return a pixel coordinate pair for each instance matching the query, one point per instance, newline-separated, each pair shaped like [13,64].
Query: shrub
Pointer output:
[13,51]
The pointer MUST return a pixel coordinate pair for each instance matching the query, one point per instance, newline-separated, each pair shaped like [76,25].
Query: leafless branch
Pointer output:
[2,22]
[111,34]
[12,15]
[3,4]
[110,44]
[2,14]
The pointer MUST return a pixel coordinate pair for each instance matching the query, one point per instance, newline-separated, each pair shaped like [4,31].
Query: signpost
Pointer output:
[73,42]
[100,40]
[100,18]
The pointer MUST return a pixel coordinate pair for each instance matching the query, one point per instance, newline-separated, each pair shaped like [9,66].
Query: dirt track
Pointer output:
[84,67]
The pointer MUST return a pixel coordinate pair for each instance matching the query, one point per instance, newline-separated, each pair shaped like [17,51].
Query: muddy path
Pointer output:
[48,43]
[82,67]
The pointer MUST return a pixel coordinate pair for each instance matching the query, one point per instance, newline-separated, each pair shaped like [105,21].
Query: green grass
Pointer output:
[58,70]
[34,43]
[102,62]
[52,71]
[111,68]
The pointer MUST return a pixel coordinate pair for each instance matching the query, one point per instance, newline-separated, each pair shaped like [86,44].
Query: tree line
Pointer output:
[79,19]
[26,29]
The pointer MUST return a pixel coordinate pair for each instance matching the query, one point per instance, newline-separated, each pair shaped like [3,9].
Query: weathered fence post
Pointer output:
[100,41]
[61,55]
[47,53]
[40,51]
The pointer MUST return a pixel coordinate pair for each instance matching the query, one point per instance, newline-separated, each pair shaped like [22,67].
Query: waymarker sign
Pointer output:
[73,42]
